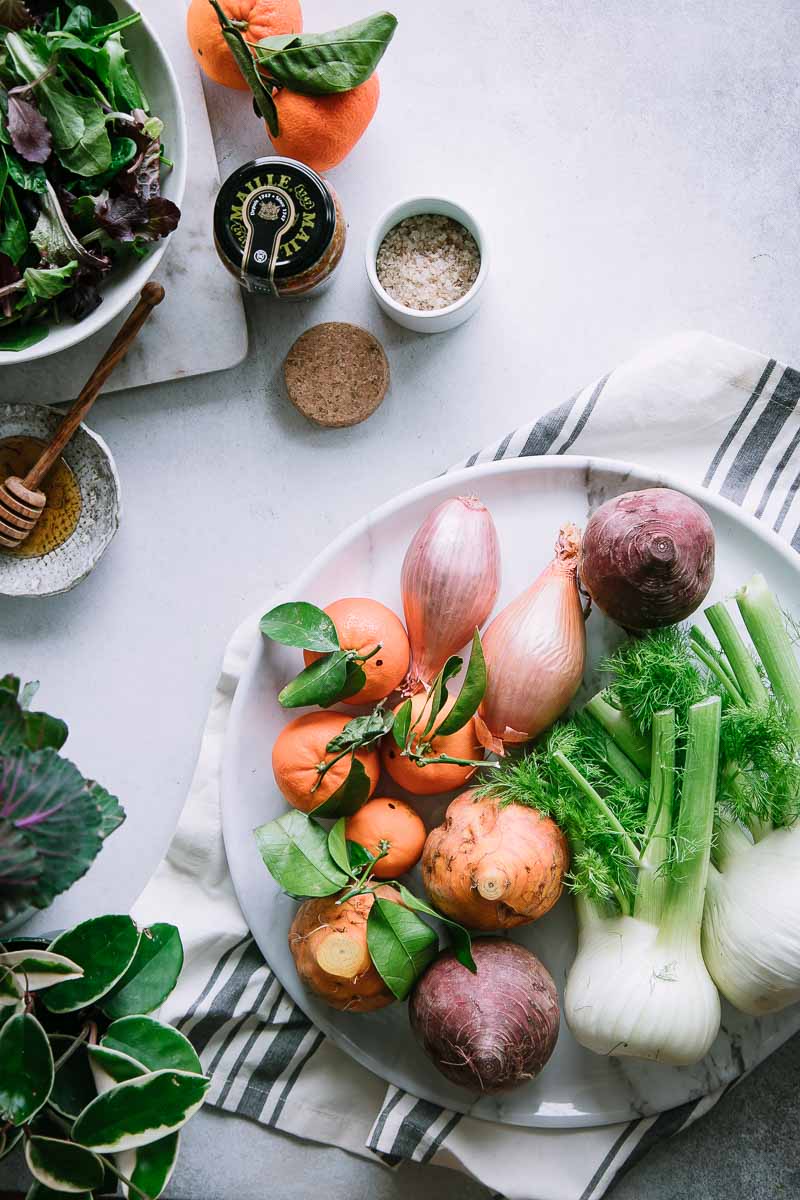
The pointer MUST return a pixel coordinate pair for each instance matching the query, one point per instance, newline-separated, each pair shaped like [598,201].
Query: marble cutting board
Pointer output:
[201,325]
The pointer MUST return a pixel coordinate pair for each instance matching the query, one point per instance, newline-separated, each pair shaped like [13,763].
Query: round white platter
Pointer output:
[529,500]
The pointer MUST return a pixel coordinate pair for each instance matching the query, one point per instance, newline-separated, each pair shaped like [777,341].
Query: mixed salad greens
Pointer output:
[80,162]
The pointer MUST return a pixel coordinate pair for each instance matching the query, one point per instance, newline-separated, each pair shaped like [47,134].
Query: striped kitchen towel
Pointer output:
[692,406]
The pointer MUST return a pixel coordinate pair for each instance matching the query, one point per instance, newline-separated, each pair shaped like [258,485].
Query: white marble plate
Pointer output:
[529,499]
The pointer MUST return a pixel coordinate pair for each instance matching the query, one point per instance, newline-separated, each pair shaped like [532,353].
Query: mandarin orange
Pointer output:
[255,18]
[362,624]
[300,749]
[391,825]
[438,777]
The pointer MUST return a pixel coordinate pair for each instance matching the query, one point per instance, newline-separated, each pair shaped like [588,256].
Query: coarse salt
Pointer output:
[428,261]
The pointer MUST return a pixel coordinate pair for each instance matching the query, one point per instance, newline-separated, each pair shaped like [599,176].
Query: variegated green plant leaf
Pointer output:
[148,1041]
[62,1165]
[151,976]
[39,969]
[104,948]
[27,1068]
[140,1111]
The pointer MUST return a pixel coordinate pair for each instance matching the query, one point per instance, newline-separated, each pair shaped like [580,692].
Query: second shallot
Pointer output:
[535,652]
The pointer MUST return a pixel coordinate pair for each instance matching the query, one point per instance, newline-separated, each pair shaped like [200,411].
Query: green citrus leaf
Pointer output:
[27,1074]
[295,852]
[63,1166]
[471,693]
[302,625]
[337,845]
[320,683]
[151,976]
[355,679]
[437,697]
[349,796]
[104,947]
[462,942]
[140,1111]
[402,725]
[318,64]
[151,1042]
[400,945]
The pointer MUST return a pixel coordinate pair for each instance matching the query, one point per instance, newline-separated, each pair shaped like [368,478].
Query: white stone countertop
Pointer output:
[636,165]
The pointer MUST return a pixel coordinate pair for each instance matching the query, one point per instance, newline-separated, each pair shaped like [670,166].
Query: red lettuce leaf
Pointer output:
[28,130]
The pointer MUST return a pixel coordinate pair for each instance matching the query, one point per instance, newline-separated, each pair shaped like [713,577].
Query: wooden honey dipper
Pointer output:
[21,503]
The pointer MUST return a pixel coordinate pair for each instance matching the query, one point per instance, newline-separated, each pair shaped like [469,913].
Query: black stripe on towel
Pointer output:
[737,424]
[275,1061]
[224,1002]
[236,1029]
[584,417]
[374,1142]
[414,1126]
[212,979]
[761,438]
[440,1137]
[545,431]
[787,503]
[290,1082]
[608,1158]
[786,458]
[241,1058]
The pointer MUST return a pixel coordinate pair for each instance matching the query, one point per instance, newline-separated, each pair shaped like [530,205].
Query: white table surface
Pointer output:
[636,164]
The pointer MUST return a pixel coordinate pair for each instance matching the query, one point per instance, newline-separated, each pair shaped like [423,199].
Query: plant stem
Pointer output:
[652,884]
[70,1050]
[716,663]
[767,627]
[599,803]
[683,911]
[132,1188]
[619,726]
[739,657]
[423,760]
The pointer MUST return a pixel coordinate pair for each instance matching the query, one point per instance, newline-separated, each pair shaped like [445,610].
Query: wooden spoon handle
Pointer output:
[152,294]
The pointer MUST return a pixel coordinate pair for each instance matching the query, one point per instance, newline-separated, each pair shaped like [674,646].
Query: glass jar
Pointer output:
[279,228]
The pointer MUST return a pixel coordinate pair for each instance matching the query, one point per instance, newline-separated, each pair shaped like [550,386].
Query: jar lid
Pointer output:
[274,218]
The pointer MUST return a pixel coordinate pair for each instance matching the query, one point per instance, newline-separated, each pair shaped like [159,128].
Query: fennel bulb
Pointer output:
[635,990]
[751,925]
[640,863]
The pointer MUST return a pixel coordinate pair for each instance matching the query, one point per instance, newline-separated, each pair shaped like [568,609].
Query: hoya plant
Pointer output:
[94,1088]
[53,821]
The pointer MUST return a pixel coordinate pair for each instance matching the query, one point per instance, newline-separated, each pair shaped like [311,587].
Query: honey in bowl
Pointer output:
[63,508]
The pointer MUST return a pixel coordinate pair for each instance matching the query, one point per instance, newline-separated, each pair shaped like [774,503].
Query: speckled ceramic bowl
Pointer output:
[89,459]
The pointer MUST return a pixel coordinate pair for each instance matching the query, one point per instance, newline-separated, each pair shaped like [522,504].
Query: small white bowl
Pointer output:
[434,320]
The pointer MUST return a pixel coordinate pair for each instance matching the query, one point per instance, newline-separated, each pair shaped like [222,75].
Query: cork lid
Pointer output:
[336,374]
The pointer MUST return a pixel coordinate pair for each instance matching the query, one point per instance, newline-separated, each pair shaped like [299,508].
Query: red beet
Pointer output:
[648,558]
[492,1031]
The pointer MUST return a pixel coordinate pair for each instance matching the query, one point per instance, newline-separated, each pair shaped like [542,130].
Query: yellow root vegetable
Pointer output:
[328,942]
[492,867]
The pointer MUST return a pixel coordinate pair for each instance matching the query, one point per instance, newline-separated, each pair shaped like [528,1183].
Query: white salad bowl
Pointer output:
[434,320]
[123,285]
